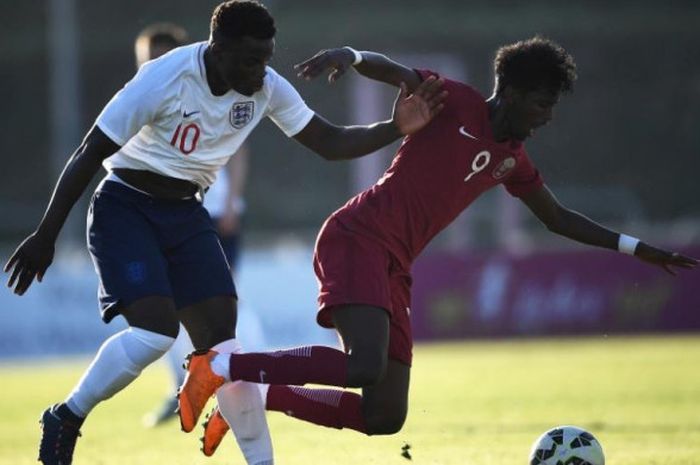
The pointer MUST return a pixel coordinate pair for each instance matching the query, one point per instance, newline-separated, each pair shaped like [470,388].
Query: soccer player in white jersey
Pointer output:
[224,202]
[162,138]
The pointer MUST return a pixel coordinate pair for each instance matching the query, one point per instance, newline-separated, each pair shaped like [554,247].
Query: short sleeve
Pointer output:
[525,178]
[287,109]
[463,101]
[137,104]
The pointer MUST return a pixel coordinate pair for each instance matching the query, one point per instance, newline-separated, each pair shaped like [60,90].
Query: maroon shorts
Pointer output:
[354,269]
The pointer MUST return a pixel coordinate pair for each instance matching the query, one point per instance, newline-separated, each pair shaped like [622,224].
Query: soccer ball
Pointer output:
[567,445]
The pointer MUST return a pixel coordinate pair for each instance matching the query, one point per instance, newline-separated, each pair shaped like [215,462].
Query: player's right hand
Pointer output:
[339,60]
[30,260]
[413,111]
[664,259]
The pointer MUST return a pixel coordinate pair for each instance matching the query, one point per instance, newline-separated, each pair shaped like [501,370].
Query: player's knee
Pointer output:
[155,314]
[206,338]
[170,327]
[366,368]
[211,322]
[167,326]
[385,422]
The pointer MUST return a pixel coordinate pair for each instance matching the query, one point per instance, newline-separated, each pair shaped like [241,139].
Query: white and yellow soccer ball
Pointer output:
[567,445]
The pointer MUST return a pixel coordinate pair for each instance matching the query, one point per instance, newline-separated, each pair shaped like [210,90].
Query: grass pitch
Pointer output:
[471,403]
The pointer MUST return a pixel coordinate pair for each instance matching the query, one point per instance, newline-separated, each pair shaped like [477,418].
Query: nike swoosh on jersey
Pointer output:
[465,133]
[187,115]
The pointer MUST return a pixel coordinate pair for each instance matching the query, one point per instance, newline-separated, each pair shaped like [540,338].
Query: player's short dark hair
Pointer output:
[533,64]
[164,34]
[240,18]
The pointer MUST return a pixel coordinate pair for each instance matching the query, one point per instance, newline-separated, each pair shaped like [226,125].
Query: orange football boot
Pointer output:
[215,429]
[200,384]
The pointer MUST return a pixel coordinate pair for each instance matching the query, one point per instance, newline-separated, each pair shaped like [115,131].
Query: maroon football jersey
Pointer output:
[436,174]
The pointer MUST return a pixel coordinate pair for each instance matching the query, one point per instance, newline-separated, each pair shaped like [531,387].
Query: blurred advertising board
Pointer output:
[550,293]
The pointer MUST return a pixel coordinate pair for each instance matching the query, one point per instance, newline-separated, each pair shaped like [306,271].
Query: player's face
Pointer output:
[528,110]
[241,62]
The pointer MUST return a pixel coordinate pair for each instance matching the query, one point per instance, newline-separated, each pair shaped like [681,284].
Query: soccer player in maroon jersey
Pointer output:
[365,249]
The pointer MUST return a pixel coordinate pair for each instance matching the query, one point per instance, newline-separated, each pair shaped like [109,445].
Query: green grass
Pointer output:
[471,403]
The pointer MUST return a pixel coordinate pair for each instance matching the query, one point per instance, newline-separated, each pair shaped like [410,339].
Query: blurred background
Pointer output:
[623,149]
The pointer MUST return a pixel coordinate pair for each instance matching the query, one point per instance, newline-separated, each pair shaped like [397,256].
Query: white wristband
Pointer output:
[357,55]
[627,244]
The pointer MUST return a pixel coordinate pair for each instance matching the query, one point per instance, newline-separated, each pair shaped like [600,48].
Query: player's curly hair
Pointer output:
[166,34]
[240,18]
[534,63]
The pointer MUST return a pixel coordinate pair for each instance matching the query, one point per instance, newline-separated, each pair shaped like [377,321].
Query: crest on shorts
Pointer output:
[136,272]
[503,169]
[241,114]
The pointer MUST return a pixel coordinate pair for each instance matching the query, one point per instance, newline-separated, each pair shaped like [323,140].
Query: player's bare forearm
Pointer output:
[411,112]
[35,254]
[346,142]
[77,174]
[576,226]
[373,65]
[381,68]
[568,223]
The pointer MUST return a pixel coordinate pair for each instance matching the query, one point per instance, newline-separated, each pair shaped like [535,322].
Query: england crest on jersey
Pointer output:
[241,114]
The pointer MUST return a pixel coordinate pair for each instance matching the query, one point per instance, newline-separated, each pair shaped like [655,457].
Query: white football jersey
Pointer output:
[166,119]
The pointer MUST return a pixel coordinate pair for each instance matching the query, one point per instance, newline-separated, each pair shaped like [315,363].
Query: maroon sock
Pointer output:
[327,407]
[298,366]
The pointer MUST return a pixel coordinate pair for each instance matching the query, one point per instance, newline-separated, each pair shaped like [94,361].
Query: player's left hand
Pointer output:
[31,259]
[664,259]
[413,111]
[338,60]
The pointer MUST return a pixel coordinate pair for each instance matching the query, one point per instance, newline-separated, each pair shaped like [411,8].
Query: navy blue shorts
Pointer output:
[142,247]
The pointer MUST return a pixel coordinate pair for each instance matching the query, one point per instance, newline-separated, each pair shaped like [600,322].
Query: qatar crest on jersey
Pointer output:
[503,169]
[241,114]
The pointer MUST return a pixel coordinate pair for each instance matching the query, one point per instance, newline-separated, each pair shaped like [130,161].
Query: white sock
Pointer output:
[242,406]
[220,363]
[263,388]
[119,361]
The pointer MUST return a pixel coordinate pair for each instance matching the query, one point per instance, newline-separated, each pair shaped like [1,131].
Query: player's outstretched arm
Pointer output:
[34,255]
[573,225]
[411,113]
[373,65]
